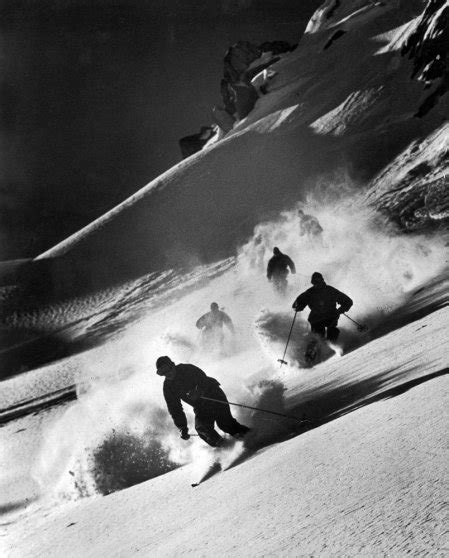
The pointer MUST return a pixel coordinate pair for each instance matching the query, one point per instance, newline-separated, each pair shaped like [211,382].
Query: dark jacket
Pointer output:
[309,225]
[322,300]
[213,320]
[188,383]
[278,265]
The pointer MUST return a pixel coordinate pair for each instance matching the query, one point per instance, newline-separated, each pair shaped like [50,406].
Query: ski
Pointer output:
[213,469]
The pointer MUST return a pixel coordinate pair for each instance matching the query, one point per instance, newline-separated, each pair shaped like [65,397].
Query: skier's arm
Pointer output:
[291,265]
[202,383]
[344,301]
[301,302]
[269,270]
[227,320]
[201,322]
[175,409]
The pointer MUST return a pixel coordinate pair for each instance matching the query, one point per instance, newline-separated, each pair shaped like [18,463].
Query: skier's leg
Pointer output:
[283,284]
[227,423]
[204,425]
[332,330]
[319,328]
[332,334]
[223,416]
[280,282]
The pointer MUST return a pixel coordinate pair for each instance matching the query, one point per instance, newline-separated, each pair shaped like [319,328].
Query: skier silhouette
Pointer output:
[277,269]
[322,299]
[211,325]
[188,383]
[308,224]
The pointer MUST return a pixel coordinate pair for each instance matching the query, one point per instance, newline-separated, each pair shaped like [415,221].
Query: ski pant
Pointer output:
[212,338]
[209,412]
[331,325]
[279,281]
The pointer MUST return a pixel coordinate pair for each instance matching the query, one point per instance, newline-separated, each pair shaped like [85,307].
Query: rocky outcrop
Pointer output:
[428,48]
[237,92]
[191,144]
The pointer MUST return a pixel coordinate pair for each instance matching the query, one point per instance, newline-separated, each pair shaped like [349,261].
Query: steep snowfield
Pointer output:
[370,482]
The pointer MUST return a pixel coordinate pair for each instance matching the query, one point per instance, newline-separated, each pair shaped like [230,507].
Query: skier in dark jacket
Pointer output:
[277,269]
[211,325]
[322,299]
[188,383]
[308,224]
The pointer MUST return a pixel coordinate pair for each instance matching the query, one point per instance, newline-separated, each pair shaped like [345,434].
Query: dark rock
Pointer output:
[194,143]
[245,99]
[238,58]
[429,52]
[227,94]
[223,119]
[277,47]
[238,94]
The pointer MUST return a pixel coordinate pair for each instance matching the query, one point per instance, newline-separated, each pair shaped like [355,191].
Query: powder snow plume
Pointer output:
[120,415]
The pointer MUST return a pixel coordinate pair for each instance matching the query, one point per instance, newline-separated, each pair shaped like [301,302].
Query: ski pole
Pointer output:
[281,360]
[360,327]
[255,409]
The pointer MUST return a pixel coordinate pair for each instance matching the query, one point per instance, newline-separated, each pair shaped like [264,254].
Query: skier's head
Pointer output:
[317,279]
[214,307]
[300,212]
[276,251]
[165,367]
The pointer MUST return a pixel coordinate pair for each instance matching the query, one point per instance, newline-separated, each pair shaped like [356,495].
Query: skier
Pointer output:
[189,383]
[322,299]
[277,269]
[211,325]
[308,224]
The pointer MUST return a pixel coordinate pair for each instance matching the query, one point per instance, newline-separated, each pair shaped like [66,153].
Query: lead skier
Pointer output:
[188,383]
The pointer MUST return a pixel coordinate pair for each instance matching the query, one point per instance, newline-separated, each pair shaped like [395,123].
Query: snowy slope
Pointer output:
[370,482]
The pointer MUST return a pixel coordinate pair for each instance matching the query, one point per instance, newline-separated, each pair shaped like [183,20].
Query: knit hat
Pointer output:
[161,362]
[317,278]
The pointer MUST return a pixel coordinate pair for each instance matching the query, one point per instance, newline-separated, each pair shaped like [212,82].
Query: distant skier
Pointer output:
[322,299]
[277,269]
[211,325]
[308,224]
[188,383]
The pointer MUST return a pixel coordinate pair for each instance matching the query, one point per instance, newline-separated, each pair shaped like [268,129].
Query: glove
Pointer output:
[185,433]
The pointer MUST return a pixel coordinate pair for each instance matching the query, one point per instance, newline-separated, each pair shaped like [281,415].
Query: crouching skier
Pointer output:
[189,383]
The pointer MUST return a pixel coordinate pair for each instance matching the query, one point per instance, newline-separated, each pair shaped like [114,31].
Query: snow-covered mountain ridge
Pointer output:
[350,103]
